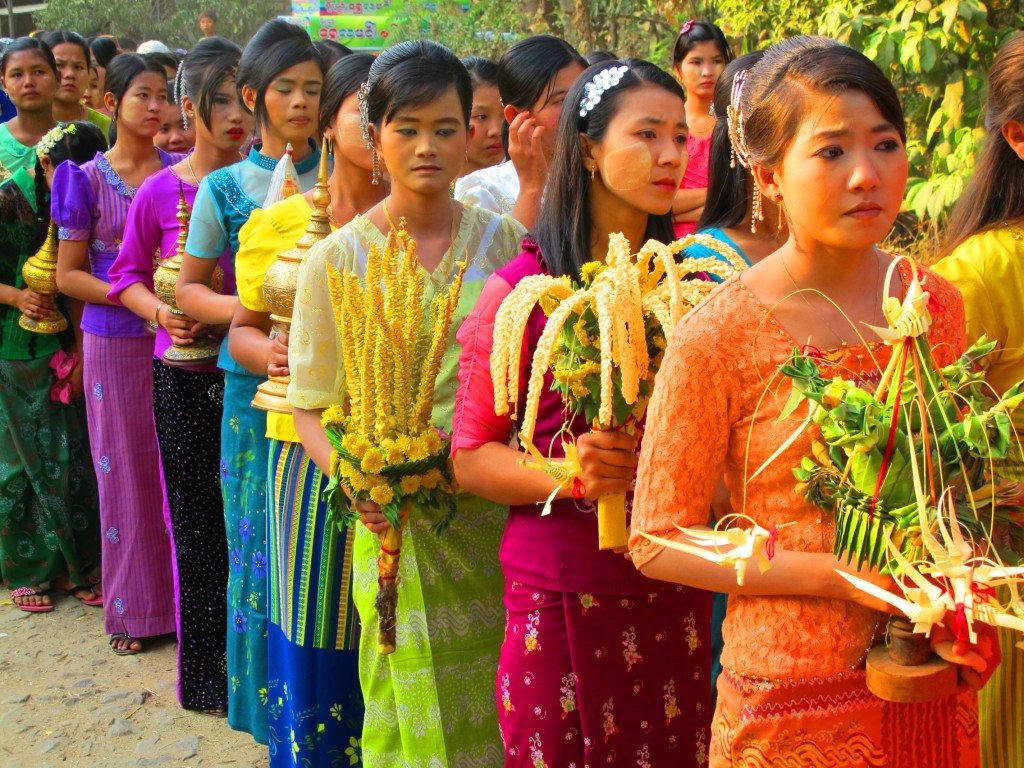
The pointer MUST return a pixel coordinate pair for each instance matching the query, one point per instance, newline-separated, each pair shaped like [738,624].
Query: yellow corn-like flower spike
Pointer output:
[353,339]
[509,328]
[604,307]
[542,358]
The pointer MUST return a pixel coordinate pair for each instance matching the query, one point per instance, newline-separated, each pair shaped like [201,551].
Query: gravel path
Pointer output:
[66,700]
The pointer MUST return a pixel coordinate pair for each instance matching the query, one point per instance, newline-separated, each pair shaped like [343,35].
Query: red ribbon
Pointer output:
[769,546]
[983,593]
[579,490]
[961,628]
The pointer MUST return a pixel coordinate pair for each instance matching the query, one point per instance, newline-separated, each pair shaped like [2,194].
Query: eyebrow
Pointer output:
[411,119]
[880,128]
[651,120]
[292,81]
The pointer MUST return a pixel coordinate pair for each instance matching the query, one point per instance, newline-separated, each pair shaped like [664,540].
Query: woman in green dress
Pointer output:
[431,702]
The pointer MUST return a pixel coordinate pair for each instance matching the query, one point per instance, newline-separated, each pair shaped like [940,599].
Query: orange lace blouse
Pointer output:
[715,412]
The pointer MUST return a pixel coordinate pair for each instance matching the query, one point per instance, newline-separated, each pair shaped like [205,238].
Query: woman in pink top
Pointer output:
[188,400]
[597,666]
[699,55]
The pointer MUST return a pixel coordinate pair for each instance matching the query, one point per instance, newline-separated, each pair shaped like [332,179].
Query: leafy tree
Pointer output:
[174,22]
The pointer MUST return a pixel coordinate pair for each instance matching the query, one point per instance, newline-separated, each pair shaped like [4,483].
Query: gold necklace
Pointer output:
[803,295]
[188,160]
[447,260]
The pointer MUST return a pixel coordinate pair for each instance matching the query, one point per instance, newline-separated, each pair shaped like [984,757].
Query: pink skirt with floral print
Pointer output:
[588,680]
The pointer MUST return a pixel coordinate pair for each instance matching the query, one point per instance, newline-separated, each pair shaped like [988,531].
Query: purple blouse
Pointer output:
[90,203]
[558,551]
[152,227]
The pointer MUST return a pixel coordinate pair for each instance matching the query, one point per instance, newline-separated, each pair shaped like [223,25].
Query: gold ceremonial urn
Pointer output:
[40,273]
[280,282]
[203,349]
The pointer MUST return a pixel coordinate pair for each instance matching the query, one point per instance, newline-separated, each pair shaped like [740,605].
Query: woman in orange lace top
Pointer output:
[822,131]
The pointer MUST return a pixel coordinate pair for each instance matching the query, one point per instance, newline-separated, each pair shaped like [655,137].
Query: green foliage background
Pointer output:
[937,53]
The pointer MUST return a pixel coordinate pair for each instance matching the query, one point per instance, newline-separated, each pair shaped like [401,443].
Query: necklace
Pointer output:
[188,160]
[810,307]
[447,260]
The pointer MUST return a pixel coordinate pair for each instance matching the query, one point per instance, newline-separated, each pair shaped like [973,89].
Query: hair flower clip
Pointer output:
[603,81]
[53,138]
[687,26]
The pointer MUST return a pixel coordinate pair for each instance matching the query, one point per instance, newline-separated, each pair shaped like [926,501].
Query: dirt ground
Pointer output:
[66,700]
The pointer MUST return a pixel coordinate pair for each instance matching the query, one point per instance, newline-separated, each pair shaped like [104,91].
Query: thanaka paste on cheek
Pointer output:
[628,169]
[350,131]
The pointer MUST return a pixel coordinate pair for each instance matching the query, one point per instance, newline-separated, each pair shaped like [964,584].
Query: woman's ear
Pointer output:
[587,149]
[767,181]
[510,113]
[188,107]
[1013,132]
[110,103]
[249,98]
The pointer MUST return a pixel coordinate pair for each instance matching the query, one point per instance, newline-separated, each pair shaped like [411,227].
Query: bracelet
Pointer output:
[156,314]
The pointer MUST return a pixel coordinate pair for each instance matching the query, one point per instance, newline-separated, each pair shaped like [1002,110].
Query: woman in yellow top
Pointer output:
[313,633]
[985,260]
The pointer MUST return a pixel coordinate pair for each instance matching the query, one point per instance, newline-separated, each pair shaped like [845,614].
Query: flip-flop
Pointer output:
[123,651]
[74,590]
[29,592]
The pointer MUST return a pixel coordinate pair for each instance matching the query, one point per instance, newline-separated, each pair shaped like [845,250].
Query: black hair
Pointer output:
[481,71]
[62,37]
[165,60]
[728,193]
[23,44]
[699,32]
[528,68]
[412,74]
[995,193]
[78,147]
[276,46]
[781,86]
[123,70]
[564,229]
[104,49]
[331,51]
[208,14]
[126,44]
[203,70]
[598,57]
[343,79]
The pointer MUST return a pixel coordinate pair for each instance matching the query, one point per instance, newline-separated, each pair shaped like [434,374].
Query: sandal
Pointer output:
[75,589]
[29,592]
[129,651]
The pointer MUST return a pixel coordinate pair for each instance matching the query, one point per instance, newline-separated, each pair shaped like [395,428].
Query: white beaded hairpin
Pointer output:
[603,81]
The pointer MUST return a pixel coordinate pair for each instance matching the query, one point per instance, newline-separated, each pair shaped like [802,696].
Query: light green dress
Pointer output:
[431,703]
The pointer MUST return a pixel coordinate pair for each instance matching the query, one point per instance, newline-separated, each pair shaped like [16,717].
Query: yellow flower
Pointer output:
[381,494]
[431,479]
[373,461]
[590,270]
[333,416]
[320,728]
[433,441]
[410,484]
[354,750]
[336,712]
[355,445]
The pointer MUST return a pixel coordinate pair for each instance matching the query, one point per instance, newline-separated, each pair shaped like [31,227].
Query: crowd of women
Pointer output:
[157,492]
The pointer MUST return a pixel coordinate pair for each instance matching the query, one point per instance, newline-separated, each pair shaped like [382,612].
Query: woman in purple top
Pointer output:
[90,206]
[188,400]
[597,666]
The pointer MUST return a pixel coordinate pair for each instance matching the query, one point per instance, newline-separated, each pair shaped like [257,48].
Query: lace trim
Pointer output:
[269,163]
[112,179]
[262,160]
[101,246]
[236,198]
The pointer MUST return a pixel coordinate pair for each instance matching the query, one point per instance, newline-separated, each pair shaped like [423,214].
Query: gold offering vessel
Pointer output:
[40,273]
[279,285]
[203,349]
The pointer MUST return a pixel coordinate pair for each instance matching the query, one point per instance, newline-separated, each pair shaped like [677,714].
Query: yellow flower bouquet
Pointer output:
[603,340]
[385,449]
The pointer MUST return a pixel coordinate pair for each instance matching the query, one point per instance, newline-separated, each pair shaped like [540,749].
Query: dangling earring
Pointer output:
[782,214]
[593,172]
[376,167]
[756,212]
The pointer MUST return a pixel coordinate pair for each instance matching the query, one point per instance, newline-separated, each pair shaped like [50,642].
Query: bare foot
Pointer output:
[125,645]
[31,599]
